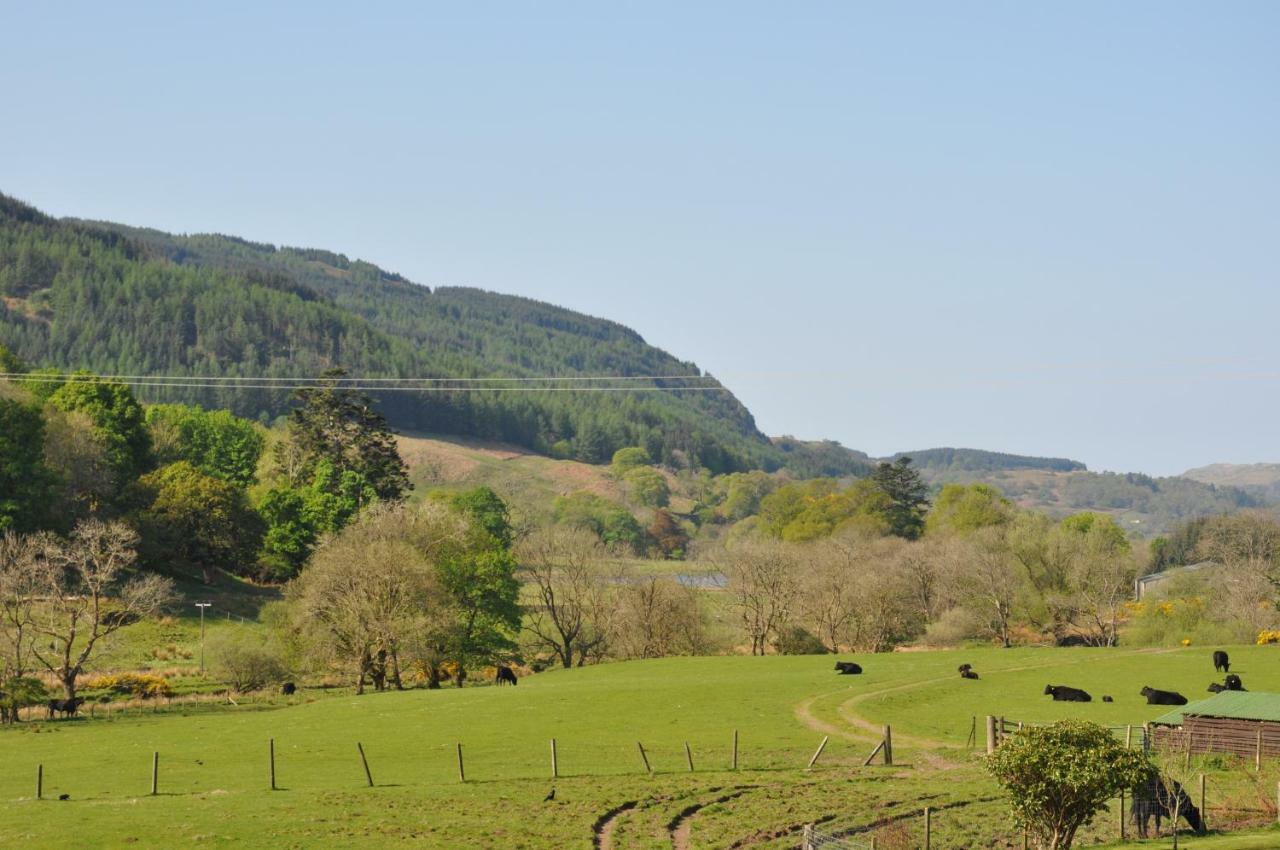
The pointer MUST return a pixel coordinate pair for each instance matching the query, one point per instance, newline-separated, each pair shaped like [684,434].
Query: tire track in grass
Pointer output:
[798,828]
[681,826]
[604,826]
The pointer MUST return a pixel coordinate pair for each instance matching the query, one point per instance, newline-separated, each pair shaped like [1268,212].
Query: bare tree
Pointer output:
[829,587]
[24,575]
[657,617]
[989,580]
[87,596]
[764,586]
[371,595]
[574,610]
[1101,580]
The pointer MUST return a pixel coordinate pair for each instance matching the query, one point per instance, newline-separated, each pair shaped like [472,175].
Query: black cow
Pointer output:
[1107,698]
[1215,688]
[505,676]
[848,668]
[1063,693]
[1233,683]
[968,674]
[1155,697]
[1153,799]
[288,689]
[67,707]
[1221,663]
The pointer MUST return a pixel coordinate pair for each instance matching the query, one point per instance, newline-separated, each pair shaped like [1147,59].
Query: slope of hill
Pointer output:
[1262,479]
[940,461]
[122,300]
[1139,502]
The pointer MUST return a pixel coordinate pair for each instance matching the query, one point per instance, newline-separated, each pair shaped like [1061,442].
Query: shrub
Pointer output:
[145,685]
[244,659]
[1059,776]
[953,627]
[1267,636]
[797,640]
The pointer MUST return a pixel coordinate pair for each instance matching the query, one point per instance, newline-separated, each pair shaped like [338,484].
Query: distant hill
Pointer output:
[939,461]
[1139,502]
[133,301]
[1260,478]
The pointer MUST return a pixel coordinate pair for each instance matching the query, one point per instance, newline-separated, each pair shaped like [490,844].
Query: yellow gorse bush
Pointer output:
[134,684]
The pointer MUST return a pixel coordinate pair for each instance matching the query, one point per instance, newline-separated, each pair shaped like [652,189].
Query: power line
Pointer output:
[438,385]
[28,376]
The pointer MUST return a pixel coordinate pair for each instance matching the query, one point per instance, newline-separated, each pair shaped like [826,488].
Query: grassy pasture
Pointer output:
[214,780]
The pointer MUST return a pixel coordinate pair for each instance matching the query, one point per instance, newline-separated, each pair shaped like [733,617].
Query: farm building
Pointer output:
[1237,722]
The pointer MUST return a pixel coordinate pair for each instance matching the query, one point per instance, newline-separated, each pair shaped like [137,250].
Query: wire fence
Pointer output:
[816,839]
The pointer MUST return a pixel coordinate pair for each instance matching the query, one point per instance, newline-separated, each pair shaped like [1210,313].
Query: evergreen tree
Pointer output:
[908,497]
[342,427]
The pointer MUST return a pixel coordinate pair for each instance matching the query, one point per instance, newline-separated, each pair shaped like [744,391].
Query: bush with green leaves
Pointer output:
[1060,775]
[797,640]
[245,659]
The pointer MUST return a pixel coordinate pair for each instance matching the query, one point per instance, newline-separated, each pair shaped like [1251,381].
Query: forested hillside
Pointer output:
[129,301]
[941,461]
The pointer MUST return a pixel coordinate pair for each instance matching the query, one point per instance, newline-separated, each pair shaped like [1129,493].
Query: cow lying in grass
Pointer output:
[1231,683]
[967,672]
[1064,693]
[848,668]
[1155,697]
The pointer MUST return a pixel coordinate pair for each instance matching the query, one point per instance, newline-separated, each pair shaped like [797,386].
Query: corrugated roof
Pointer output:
[1238,705]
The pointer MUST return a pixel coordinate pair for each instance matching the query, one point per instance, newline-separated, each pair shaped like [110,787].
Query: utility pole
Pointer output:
[202,606]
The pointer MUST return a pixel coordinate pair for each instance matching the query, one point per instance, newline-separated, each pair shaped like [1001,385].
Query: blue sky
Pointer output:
[1023,227]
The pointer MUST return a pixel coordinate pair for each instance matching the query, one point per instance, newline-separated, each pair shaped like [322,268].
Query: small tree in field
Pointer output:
[1059,776]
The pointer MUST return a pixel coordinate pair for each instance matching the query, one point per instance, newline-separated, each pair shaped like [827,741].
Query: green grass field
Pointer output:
[214,784]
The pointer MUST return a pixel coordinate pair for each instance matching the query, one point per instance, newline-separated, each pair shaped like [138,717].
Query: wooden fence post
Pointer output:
[364,761]
[555,768]
[991,734]
[735,749]
[1128,737]
[39,781]
[1122,814]
[1278,802]
[271,750]
[817,753]
[928,828]
[888,745]
[155,773]
[688,754]
[462,774]
[806,842]
[643,757]
[1257,753]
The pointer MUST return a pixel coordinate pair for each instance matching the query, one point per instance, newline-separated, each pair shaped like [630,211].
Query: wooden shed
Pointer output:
[1242,723]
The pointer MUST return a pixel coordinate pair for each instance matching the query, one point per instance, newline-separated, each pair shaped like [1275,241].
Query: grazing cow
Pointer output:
[1155,697]
[67,707]
[288,689]
[1215,688]
[1221,663]
[505,676]
[848,668]
[1153,799]
[1064,693]
[1107,698]
[1233,683]
[968,674]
